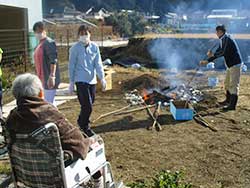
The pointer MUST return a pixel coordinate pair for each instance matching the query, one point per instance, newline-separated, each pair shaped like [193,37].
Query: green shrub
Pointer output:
[167,179]
[164,179]
[5,167]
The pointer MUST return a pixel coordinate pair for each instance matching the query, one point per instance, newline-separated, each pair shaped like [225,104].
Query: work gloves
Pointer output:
[209,54]
[203,62]
[51,82]
[104,84]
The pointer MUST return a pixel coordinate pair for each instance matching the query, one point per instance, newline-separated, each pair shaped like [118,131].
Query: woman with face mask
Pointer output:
[46,62]
[84,64]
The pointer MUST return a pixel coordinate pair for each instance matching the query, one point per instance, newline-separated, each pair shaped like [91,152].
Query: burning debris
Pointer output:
[184,93]
[164,95]
[134,98]
[155,97]
[153,90]
[168,94]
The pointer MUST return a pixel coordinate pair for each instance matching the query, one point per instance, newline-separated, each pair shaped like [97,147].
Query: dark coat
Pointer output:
[229,50]
[33,112]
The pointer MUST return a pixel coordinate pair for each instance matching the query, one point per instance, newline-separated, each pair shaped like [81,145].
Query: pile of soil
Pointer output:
[144,81]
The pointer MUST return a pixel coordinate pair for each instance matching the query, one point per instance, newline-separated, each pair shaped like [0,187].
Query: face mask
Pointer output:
[39,36]
[85,39]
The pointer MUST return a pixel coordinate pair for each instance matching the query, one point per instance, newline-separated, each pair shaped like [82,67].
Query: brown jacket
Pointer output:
[33,112]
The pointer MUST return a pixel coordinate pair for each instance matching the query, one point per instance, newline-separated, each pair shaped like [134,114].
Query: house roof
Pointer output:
[66,20]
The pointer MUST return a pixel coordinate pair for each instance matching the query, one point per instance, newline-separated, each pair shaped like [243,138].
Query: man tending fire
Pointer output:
[229,50]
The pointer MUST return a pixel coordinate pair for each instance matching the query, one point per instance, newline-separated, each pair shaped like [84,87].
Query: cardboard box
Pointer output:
[108,78]
[179,112]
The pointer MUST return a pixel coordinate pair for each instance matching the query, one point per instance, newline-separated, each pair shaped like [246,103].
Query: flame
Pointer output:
[145,94]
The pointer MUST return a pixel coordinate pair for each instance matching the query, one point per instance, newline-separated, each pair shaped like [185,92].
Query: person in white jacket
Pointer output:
[84,64]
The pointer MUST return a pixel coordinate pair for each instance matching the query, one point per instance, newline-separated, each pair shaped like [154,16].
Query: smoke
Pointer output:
[177,54]
[174,55]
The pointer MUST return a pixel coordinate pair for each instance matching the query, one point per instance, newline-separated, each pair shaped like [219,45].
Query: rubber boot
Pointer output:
[227,100]
[232,104]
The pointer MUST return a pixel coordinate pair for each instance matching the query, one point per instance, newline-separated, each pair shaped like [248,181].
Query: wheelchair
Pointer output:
[38,161]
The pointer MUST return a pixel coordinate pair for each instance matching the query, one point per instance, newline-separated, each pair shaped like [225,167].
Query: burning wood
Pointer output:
[134,98]
[155,97]
[172,93]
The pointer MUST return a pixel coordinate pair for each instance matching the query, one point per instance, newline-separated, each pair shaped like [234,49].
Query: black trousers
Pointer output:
[86,97]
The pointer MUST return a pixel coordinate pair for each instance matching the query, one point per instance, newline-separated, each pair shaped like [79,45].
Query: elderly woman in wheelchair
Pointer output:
[45,149]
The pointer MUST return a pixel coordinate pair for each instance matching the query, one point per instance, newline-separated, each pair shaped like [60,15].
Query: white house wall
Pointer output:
[34,9]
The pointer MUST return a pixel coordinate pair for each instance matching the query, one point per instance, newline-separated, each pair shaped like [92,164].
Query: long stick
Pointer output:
[210,49]
[199,119]
[192,78]
[156,115]
[198,67]
[153,118]
[190,81]
[111,113]
[135,110]
[151,115]
[196,70]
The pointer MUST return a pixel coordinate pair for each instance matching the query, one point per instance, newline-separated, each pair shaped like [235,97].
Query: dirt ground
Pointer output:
[208,159]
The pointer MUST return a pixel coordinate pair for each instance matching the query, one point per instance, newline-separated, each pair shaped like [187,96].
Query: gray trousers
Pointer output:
[232,81]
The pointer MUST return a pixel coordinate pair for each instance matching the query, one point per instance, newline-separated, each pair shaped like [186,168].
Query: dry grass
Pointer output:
[208,159]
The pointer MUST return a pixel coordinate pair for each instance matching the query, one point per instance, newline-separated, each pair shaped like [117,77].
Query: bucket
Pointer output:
[181,110]
[213,81]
